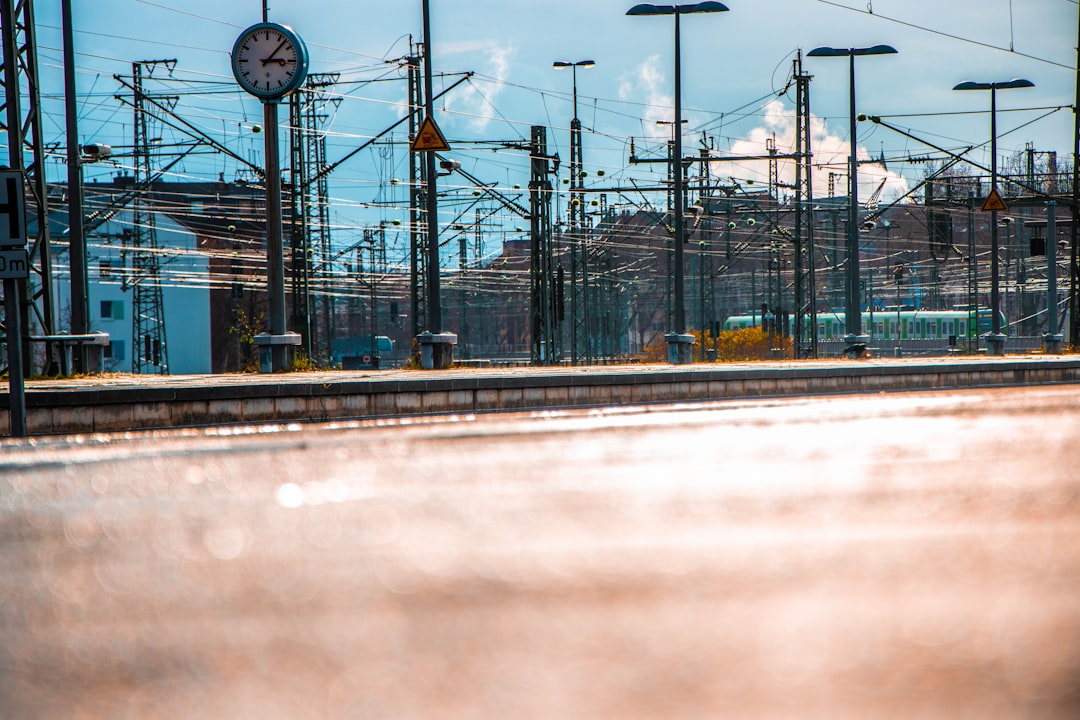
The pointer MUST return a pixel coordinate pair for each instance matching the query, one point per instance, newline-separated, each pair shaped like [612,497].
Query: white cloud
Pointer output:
[830,155]
[644,86]
[468,103]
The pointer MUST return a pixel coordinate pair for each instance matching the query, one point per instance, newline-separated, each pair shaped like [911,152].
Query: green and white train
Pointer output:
[884,324]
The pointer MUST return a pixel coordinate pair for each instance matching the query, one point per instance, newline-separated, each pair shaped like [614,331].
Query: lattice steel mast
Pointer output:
[150,352]
[311,210]
[418,253]
[25,132]
[544,315]
[805,332]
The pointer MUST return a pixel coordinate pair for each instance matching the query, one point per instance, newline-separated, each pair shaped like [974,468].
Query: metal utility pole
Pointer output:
[1052,338]
[80,299]
[476,326]
[972,331]
[417,199]
[149,351]
[995,340]
[855,339]
[580,347]
[432,219]
[852,301]
[13,290]
[608,306]
[440,351]
[707,290]
[300,270]
[1074,254]
[319,234]
[579,250]
[545,345]
[805,332]
[311,209]
[372,270]
[463,265]
[669,315]
[679,325]
[26,133]
[680,345]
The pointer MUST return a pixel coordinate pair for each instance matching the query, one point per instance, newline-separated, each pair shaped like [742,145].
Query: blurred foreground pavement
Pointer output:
[900,556]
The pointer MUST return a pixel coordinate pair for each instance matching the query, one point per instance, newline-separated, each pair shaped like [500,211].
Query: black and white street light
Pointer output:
[563,64]
[679,344]
[856,341]
[995,341]
[578,252]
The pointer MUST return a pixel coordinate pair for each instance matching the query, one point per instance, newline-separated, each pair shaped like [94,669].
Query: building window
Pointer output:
[114,350]
[112,309]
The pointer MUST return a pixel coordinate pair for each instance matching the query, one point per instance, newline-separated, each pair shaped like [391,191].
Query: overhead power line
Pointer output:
[945,34]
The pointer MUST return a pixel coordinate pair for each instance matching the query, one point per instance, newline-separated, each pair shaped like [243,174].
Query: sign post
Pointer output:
[13,267]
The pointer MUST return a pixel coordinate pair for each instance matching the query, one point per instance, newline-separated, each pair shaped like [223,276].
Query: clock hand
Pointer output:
[268,60]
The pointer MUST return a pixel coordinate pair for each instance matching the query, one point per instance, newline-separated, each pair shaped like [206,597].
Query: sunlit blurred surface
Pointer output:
[893,556]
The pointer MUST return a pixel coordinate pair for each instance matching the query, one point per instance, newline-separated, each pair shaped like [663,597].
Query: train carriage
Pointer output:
[885,325]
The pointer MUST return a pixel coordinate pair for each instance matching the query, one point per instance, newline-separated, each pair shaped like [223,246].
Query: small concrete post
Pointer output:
[680,348]
[436,350]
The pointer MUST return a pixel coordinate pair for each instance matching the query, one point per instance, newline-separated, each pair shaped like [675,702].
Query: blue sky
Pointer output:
[734,65]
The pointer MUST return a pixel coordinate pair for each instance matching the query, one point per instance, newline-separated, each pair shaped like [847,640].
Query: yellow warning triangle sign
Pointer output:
[993,202]
[429,137]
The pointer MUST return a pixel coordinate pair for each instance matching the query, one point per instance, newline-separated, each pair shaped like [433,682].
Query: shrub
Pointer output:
[731,346]
[751,344]
[301,362]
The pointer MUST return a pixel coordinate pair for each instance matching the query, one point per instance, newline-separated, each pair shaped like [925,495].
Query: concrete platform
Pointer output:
[118,403]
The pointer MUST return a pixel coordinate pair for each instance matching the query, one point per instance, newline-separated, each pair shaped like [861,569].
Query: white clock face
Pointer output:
[269,61]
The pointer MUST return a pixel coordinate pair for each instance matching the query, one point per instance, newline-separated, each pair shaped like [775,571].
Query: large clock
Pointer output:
[269,61]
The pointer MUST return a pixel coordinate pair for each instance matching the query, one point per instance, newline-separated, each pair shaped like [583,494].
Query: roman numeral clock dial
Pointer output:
[269,61]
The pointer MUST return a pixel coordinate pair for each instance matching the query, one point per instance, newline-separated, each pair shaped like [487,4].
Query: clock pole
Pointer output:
[275,266]
[279,62]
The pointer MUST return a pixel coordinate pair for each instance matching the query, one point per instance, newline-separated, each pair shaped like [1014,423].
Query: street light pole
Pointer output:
[578,249]
[856,341]
[852,298]
[680,345]
[995,341]
[680,198]
[562,65]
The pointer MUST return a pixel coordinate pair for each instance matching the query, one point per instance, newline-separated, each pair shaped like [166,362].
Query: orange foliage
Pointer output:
[655,352]
[752,344]
[732,346]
